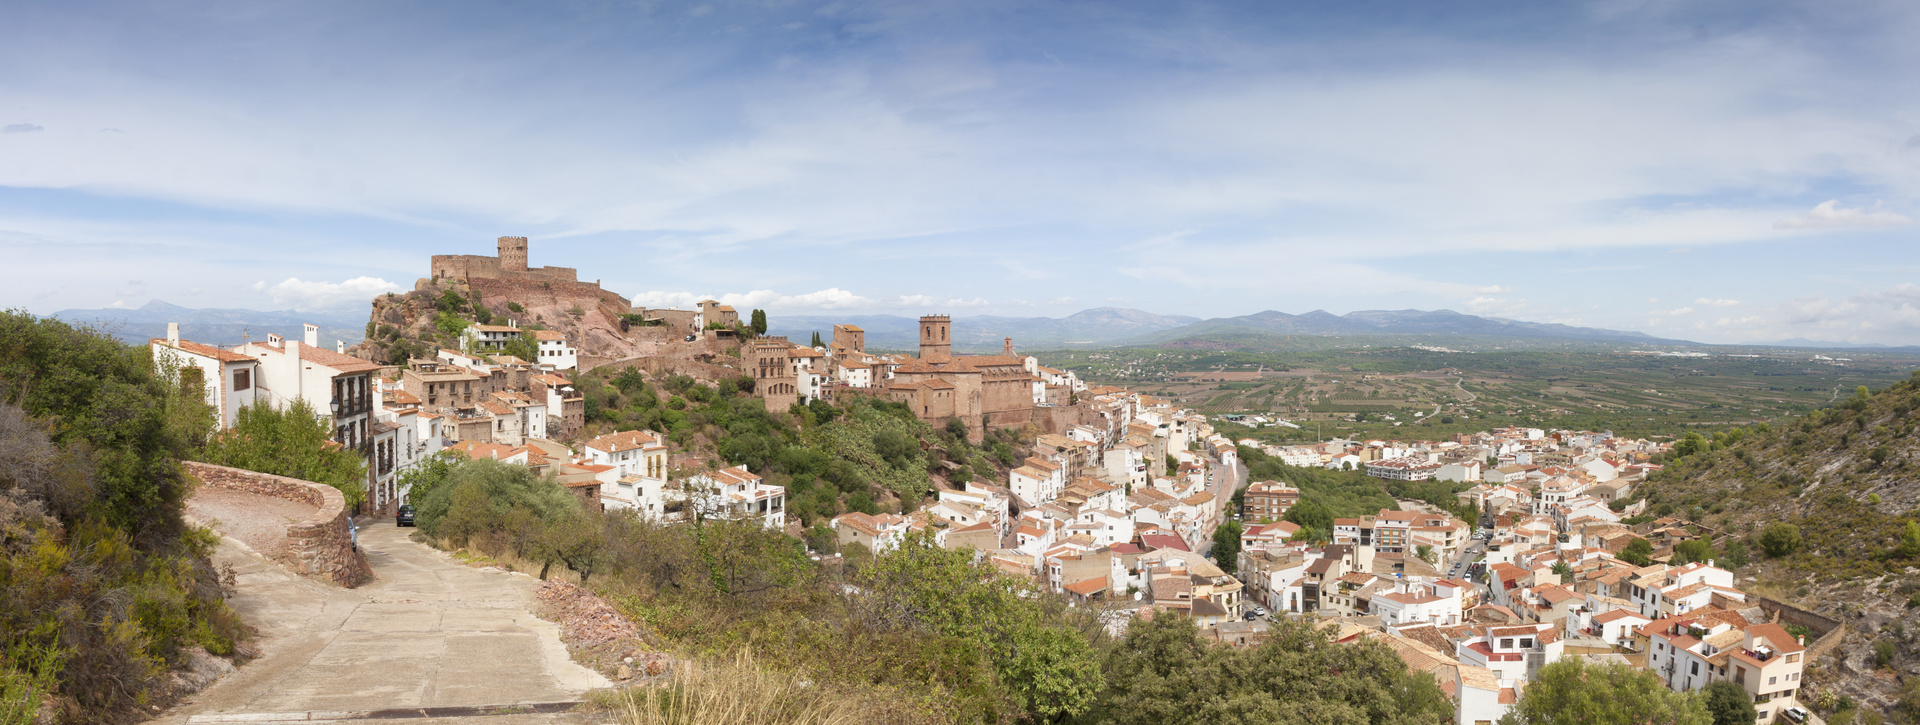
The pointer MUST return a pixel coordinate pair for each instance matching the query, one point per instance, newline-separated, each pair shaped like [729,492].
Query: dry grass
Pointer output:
[737,692]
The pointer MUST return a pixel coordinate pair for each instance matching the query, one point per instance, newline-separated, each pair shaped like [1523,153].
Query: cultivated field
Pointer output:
[1374,391]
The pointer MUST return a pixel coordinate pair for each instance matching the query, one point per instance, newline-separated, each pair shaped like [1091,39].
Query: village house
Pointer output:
[226,378]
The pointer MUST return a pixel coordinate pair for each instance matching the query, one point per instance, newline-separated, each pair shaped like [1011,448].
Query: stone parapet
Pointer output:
[320,546]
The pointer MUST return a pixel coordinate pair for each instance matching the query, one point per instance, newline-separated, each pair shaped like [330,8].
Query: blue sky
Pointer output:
[1722,171]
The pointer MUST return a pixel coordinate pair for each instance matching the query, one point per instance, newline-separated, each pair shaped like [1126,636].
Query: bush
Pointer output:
[484,498]
[1780,539]
[1883,651]
[105,583]
[291,443]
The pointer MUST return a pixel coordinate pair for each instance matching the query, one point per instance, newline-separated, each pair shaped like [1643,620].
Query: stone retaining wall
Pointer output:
[320,546]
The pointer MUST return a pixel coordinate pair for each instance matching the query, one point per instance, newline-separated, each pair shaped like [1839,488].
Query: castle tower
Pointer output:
[936,345]
[513,254]
[1007,348]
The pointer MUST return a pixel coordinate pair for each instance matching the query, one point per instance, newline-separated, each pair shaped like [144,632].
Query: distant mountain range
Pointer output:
[1110,326]
[1442,323]
[1100,327]
[217,327]
[1096,327]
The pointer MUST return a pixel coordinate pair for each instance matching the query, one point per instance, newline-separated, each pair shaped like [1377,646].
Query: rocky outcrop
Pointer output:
[320,546]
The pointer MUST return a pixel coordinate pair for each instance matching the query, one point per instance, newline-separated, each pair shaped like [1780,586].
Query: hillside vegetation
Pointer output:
[105,587]
[1826,508]
[866,455]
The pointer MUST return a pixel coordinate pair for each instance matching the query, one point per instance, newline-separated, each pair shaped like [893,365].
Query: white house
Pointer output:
[489,338]
[634,452]
[735,493]
[1408,602]
[227,378]
[555,350]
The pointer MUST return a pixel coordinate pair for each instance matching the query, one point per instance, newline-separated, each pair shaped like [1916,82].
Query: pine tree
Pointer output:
[816,339]
[760,322]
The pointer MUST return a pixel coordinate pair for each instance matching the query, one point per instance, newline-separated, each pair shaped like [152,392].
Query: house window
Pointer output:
[1506,644]
[242,380]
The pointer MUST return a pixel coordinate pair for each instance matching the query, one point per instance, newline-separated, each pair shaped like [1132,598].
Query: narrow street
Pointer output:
[428,636]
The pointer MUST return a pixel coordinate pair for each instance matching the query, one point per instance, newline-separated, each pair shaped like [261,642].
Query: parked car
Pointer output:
[1796,713]
[691,338]
[403,517]
[1258,610]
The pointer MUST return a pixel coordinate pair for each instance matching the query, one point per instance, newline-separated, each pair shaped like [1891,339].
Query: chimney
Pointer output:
[313,334]
[173,334]
[340,346]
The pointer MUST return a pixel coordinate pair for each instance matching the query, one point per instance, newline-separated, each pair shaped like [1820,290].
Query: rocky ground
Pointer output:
[598,636]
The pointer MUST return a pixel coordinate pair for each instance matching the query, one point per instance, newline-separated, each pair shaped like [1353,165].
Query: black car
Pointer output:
[403,517]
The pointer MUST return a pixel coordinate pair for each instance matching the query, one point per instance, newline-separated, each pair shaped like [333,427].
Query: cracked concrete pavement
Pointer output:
[428,632]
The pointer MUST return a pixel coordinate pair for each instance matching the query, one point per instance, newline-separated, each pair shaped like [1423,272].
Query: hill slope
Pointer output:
[1849,478]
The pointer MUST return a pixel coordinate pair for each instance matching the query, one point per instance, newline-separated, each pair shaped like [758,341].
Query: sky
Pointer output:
[1720,171]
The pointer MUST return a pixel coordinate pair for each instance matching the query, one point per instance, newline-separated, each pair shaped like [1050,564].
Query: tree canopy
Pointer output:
[1571,691]
[292,443]
[1162,672]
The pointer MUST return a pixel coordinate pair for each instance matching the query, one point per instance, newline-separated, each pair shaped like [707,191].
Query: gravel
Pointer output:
[597,635]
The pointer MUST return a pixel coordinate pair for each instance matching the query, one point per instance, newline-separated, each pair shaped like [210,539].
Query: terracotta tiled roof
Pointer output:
[337,361]
[225,356]
[626,441]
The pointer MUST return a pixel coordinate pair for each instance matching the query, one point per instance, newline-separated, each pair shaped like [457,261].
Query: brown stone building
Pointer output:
[848,338]
[985,390]
[1268,501]
[775,377]
[440,386]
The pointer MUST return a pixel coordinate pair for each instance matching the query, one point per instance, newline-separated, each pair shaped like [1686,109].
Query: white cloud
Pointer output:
[1493,290]
[303,295]
[1676,312]
[1830,215]
[1716,303]
[1889,316]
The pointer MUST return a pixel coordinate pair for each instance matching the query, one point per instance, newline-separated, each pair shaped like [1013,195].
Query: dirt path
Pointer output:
[427,634]
[258,521]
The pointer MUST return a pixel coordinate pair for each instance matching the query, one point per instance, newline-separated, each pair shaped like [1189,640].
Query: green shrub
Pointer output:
[291,443]
[1780,539]
[1883,651]
[105,583]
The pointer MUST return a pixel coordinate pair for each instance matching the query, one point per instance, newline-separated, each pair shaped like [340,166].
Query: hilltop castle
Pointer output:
[507,276]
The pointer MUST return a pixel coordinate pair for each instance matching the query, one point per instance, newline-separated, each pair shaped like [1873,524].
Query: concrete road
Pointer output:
[427,633]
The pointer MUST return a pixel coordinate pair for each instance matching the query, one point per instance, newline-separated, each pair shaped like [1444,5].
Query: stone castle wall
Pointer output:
[321,546]
[532,290]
